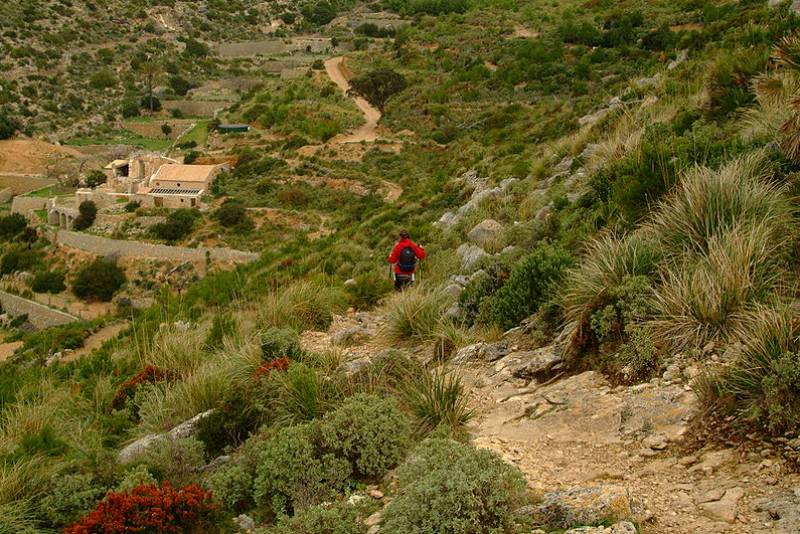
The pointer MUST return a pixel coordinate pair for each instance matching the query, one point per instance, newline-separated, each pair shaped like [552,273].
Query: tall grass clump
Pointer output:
[762,386]
[608,266]
[436,398]
[708,203]
[705,297]
[414,315]
[304,305]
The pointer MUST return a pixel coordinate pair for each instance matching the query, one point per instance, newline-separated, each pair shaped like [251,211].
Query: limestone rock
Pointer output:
[348,335]
[353,366]
[188,428]
[453,290]
[486,352]
[683,55]
[624,527]
[485,232]
[784,509]
[725,508]
[469,254]
[447,220]
[535,364]
[374,519]
[183,430]
[581,506]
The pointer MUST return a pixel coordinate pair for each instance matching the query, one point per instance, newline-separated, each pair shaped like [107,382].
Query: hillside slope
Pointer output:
[603,334]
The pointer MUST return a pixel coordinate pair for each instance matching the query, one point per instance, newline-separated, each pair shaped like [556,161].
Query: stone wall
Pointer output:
[39,315]
[27,205]
[103,246]
[21,184]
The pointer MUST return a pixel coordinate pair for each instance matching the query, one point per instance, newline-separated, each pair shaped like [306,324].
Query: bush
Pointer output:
[95,178]
[231,213]
[369,288]
[9,125]
[19,260]
[98,280]
[299,394]
[12,225]
[339,518]
[178,225]
[532,282]
[304,305]
[87,215]
[130,207]
[232,485]
[230,424]
[68,498]
[136,476]
[451,487]
[436,398]
[222,326]
[370,432]
[280,342]
[150,508]
[292,474]
[48,282]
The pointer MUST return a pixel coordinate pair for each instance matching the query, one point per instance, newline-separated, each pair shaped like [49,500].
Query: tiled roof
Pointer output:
[185,173]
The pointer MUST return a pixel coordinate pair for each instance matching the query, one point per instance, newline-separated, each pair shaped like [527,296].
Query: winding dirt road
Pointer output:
[337,71]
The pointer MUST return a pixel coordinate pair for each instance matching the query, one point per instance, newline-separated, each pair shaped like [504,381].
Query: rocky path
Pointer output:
[604,449]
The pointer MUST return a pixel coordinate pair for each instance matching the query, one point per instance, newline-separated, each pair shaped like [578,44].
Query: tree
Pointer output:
[88,213]
[95,178]
[378,86]
[151,68]
[48,282]
[231,213]
[12,225]
[98,280]
[103,79]
[180,85]
[319,13]
[195,48]
[178,225]
[166,129]
[8,124]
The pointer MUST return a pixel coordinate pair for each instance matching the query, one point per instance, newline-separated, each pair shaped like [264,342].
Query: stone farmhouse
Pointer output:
[154,181]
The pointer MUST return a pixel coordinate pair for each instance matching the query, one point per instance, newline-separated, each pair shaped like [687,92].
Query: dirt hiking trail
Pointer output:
[579,433]
[338,72]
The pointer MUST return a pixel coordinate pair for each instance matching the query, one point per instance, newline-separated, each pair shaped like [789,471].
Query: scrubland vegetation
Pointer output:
[664,222]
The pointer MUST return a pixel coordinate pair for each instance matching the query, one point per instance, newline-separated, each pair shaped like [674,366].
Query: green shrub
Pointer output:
[231,213]
[370,432]
[99,280]
[299,394]
[532,282]
[339,518]
[178,225]
[483,284]
[48,282]
[135,476]
[17,259]
[368,290]
[230,424]
[87,215]
[451,487]
[95,178]
[12,225]
[68,497]
[232,485]
[292,474]
[280,342]
[132,206]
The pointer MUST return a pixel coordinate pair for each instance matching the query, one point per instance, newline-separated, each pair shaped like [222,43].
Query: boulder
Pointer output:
[353,366]
[470,254]
[623,527]
[184,430]
[581,506]
[536,364]
[245,523]
[447,220]
[352,334]
[683,55]
[784,509]
[485,232]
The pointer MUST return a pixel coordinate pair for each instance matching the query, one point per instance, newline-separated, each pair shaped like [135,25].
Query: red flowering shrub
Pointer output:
[149,375]
[278,364]
[149,508]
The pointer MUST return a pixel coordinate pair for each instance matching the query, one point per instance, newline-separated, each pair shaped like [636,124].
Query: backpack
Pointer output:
[407,260]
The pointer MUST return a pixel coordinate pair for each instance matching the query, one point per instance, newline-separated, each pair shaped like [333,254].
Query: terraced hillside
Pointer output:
[601,339]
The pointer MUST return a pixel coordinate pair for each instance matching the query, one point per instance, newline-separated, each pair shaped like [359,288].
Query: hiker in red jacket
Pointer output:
[404,257]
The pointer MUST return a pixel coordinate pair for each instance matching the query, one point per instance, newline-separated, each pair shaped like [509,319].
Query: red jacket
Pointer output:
[395,255]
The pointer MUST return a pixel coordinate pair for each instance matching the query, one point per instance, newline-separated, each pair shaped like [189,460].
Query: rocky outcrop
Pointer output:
[721,505]
[581,506]
[482,352]
[480,193]
[140,446]
[469,254]
[485,232]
